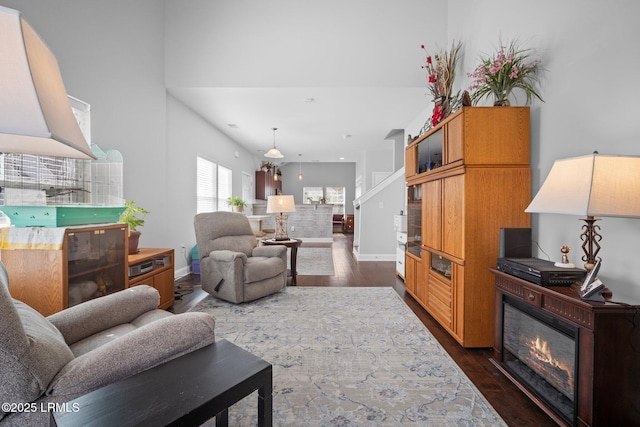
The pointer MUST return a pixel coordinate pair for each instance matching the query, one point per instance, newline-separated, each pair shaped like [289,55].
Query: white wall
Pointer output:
[591,55]
[111,55]
[188,137]
[375,234]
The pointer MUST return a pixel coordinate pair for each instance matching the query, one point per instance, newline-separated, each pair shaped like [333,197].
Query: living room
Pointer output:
[126,59]
[127,76]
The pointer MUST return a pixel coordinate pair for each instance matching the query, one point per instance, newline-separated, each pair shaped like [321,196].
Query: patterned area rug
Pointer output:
[313,261]
[348,357]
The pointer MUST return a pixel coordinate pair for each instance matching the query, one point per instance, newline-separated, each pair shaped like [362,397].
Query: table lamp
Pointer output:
[35,114]
[280,205]
[591,186]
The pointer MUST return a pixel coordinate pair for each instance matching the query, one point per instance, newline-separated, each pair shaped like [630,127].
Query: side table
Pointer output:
[293,244]
[188,390]
[154,267]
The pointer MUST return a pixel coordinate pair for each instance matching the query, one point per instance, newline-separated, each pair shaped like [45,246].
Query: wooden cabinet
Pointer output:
[62,267]
[154,267]
[473,170]
[267,185]
[349,223]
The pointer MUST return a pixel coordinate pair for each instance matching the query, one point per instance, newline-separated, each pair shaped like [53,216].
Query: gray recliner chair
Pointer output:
[87,346]
[232,266]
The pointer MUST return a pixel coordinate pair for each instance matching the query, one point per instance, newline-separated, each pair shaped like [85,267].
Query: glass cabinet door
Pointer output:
[97,261]
[414,219]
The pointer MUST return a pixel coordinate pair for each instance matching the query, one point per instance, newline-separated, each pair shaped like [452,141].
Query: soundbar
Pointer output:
[540,271]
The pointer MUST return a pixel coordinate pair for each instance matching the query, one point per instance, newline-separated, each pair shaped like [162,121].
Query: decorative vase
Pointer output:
[502,99]
[502,103]
[134,238]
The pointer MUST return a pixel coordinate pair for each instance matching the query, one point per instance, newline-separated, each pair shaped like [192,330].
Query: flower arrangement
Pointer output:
[511,67]
[441,72]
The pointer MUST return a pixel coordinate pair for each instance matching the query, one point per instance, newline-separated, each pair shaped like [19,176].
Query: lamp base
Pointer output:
[565,264]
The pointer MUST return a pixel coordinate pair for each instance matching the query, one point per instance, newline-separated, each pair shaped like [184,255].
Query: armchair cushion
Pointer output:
[134,352]
[32,351]
[259,268]
[90,317]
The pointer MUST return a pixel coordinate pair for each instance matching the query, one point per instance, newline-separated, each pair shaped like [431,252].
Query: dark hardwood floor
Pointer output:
[512,405]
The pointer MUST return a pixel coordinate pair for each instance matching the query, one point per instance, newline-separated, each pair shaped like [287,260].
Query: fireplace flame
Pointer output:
[540,351]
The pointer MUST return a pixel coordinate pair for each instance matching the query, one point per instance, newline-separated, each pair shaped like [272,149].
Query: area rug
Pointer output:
[313,261]
[348,357]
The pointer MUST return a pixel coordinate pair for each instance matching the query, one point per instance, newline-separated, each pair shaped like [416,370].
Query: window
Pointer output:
[311,194]
[224,188]
[214,184]
[332,196]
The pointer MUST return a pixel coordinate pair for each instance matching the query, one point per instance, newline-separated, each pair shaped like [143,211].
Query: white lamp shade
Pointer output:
[274,153]
[35,114]
[593,185]
[277,204]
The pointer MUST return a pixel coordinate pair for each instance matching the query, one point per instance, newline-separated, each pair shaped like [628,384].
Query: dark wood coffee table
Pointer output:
[188,390]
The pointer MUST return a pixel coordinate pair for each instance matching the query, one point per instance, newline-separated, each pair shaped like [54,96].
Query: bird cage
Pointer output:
[107,184]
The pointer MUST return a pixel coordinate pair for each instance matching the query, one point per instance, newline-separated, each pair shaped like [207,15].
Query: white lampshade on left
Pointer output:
[35,114]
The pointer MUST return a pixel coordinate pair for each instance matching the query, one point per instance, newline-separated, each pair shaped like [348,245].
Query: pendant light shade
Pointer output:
[35,114]
[274,153]
[300,168]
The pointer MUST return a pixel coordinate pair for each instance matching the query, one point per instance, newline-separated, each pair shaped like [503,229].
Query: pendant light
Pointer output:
[274,153]
[300,168]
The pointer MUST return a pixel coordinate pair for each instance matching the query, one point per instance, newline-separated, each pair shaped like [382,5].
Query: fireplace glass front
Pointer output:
[541,351]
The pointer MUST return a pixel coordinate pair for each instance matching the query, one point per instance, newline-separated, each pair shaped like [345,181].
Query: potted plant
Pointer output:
[498,75]
[131,217]
[236,203]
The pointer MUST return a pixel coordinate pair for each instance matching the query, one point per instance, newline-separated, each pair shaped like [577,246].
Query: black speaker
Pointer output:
[515,243]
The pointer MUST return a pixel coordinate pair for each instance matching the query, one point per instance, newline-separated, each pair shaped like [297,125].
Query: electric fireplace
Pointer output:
[579,361]
[541,351]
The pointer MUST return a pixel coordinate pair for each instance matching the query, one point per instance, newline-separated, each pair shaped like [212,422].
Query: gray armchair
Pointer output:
[95,343]
[232,266]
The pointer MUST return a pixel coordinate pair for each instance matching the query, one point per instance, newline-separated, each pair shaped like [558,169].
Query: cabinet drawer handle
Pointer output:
[531,296]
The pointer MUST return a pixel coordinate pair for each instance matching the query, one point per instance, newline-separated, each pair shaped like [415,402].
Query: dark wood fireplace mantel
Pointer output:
[608,365]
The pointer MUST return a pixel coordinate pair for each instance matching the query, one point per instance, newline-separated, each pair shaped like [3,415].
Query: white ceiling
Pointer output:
[335,126]
[256,65]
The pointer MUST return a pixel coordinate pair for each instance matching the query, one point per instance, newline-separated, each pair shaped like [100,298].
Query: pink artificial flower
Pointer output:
[432,78]
[428,60]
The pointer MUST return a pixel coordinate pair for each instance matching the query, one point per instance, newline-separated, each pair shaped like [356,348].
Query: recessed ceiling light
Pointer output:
[232,125]
[341,158]
[309,99]
[346,136]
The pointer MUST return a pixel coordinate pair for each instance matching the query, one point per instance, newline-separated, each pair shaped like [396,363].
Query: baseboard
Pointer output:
[374,257]
[181,272]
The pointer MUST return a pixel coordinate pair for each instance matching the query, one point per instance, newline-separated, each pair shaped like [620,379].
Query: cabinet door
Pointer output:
[455,139]
[453,216]
[410,159]
[410,274]
[432,214]
[97,262]
[164,283]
